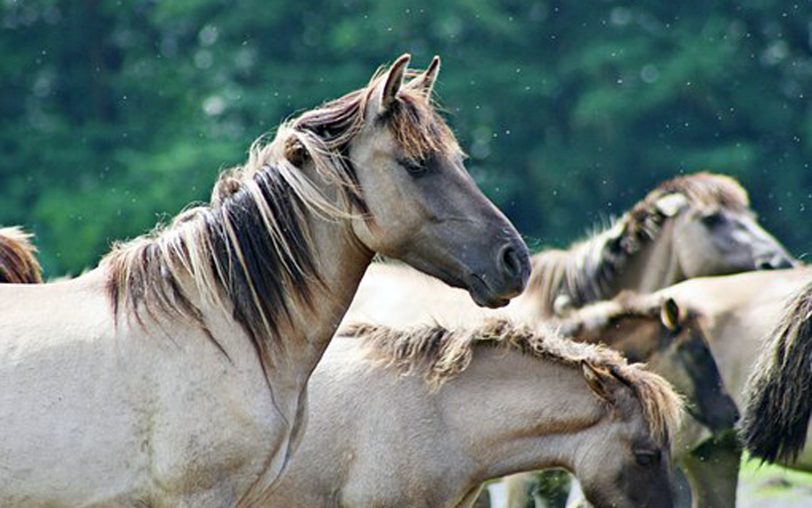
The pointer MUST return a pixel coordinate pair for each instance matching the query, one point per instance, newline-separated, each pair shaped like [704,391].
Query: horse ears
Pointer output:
[425,82]
[669,314]
[600,381]
[670,204]
[387,91]
[295,152]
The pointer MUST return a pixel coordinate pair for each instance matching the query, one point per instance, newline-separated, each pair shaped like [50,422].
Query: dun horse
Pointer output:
[175,373]
[392,424]
[17,262]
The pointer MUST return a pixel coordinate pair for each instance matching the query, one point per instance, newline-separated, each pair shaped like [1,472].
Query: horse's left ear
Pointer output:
[386,93]
[425,82]
[669,314]
[670,204]
[600,381]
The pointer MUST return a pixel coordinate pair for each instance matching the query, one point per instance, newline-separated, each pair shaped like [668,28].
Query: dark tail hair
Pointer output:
[779,392]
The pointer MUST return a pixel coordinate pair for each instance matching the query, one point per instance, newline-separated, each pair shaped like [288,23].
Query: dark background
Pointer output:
[114,115]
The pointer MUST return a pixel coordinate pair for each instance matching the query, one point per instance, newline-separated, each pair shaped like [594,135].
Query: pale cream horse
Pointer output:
[690,226]
[175,373]
[18,264]
[422,417]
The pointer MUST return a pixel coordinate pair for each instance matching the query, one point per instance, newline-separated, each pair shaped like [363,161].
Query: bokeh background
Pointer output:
[115,115]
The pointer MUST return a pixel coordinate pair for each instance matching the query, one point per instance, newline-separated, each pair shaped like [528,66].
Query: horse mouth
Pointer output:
[482,294]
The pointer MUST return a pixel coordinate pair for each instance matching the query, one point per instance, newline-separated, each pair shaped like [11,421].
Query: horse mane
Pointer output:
[587,270]
[439,354]
[250,250]
[18,262]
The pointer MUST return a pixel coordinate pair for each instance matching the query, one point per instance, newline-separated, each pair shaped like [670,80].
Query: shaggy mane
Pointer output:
[18,262]
[587,271]
[439,354]
[250,251]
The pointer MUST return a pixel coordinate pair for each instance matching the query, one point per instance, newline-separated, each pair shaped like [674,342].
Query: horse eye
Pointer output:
[712,220]
[415,168]
[647,458]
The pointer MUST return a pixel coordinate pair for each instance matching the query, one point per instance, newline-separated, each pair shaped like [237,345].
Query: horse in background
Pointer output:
[175,373]
[392,421]
[18,262]
[672,342]
[690,226]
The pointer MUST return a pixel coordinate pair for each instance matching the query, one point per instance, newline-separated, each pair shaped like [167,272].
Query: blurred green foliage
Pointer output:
[114,115]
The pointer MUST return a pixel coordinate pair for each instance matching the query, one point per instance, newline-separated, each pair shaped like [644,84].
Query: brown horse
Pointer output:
[673,344]
[175,373]
[18,264]
[421,418]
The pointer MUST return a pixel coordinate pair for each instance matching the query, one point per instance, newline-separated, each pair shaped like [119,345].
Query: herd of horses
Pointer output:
[251,353]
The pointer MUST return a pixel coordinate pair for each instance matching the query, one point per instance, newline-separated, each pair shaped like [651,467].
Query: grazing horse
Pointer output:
[175,373]
[779,392]
[690,226]
[18,264]
[422,417]
[672,342]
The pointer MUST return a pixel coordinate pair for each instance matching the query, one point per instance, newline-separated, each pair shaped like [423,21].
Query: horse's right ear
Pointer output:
[386,92]
[669,314]
[670,204]
[600,381]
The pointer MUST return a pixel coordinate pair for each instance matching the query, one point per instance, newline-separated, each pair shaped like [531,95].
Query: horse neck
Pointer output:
[655,265]
[528,413]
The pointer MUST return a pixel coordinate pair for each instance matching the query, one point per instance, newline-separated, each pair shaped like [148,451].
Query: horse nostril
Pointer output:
[510,262]
[765,265]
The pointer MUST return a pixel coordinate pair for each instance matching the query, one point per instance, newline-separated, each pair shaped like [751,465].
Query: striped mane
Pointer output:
[249,252]
[18,262]
[588,270]
[439,354]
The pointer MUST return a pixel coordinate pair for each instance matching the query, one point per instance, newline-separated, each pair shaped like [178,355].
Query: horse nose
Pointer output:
[514,264]
[775,262]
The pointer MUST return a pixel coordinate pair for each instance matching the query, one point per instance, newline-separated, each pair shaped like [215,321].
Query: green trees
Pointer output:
[114,113]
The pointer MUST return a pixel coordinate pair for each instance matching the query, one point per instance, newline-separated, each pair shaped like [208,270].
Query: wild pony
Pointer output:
[779,392]
[690,226]
[392,421]
[18,264]
[672,343]
[175,373]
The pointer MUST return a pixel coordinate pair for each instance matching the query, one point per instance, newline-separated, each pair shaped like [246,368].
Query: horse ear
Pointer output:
[669,314]
[387,90]
[670,204]
[425,82]
[600,381]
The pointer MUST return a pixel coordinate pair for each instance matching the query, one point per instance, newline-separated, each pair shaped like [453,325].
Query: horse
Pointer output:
[777,401]
[174,373]
[690,226]
[18,262]
[392,421]
[672,343]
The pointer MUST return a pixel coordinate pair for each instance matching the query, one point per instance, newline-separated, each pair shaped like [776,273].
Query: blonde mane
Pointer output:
[18,262]
[587,271]
[250,251]
[439,354]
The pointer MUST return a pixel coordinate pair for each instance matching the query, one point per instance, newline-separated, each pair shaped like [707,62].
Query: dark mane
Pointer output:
[439,354]
[588,270]
[18,262]
[249,251]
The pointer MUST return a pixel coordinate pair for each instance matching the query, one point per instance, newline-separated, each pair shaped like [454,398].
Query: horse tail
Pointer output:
[18,263]
[779,392]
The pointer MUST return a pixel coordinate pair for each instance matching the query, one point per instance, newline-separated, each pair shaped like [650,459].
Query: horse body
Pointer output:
[377,437]
[175,374]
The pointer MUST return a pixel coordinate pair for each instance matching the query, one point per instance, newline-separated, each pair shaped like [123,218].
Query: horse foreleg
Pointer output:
[712,470]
